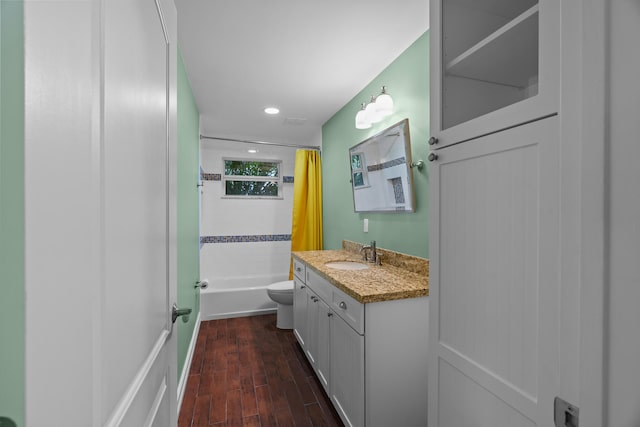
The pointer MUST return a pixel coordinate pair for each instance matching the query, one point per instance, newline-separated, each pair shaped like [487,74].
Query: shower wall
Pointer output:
[244,238]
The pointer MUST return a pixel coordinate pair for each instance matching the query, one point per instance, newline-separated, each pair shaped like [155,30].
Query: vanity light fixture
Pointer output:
[271,110]
[378,108]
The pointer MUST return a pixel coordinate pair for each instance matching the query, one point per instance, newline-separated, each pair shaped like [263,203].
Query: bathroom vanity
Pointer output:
[363,328]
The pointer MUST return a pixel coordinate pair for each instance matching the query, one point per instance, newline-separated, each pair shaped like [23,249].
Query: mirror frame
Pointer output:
[403,126]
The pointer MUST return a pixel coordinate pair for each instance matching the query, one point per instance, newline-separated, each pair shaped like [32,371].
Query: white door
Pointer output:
[100,213]
[137,381]
[494,249]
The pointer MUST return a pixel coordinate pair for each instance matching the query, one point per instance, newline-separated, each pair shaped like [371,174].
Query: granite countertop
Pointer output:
[409,278]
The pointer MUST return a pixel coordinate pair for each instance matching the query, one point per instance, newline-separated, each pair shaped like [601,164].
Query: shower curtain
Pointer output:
[306,229]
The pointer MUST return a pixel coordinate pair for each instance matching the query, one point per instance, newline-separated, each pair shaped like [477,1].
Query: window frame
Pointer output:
[362,169]
[277,179]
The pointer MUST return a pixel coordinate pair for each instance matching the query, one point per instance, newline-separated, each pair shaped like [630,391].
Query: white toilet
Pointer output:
[282,294]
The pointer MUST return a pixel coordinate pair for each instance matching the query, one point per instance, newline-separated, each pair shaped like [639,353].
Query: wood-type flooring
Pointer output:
[246,372]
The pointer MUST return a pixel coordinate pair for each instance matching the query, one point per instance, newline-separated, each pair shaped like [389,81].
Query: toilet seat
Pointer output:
[284,287]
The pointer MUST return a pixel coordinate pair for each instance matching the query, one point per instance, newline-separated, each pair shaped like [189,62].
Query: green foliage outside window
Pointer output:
[359,175]
[251,188]
[358,179]
[252,178]
[356,162]
[250,168]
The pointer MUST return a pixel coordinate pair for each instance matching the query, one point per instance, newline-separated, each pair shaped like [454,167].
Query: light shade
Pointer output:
[384,103]
[372,111]
[361,119]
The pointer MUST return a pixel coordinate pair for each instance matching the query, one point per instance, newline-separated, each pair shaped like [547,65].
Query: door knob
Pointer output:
[179,312]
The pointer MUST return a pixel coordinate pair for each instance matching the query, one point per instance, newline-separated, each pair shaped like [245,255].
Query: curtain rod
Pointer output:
[311,147]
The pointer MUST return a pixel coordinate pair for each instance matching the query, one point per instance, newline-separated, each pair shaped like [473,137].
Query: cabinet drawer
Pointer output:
[320,285]
[299,269]
[350,310]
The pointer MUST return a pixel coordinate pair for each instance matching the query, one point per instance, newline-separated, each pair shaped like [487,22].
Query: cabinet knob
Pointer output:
[432,157]
[298,269]
[329,314]
[433,140]
[342,305]
[302,286]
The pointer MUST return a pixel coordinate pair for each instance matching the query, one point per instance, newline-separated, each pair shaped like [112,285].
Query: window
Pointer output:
[252,178]
[359,171]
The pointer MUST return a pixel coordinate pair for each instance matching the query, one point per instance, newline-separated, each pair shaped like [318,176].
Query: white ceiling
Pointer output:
[307,57]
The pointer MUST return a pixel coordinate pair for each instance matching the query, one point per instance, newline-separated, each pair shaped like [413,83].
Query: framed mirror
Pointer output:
[381,177]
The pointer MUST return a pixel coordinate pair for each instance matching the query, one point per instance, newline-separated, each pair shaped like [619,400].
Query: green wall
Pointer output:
[188,219]
[12,312]
[407,81]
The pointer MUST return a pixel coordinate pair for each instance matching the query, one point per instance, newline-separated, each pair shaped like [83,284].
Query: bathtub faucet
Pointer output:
[202,284]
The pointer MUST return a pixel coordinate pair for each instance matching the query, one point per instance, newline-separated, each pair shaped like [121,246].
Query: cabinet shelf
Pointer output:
[504,57]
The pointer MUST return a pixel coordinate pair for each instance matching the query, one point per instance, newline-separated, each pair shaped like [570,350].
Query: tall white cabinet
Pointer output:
[595,78]
[495,213]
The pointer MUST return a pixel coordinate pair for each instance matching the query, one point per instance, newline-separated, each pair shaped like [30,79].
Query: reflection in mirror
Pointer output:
[381,175]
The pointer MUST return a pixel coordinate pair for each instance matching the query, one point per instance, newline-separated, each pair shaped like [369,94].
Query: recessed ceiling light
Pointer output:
[271,110]
[252,151]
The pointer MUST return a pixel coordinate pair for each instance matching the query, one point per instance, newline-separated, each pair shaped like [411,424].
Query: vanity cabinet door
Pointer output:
[347,372]
[318,319]
[300,311]
[323,343]
[311,347]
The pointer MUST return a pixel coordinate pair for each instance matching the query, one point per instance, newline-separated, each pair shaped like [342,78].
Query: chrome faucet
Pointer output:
[372,247]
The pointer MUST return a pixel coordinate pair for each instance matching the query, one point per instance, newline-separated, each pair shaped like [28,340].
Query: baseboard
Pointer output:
[233,314]
[182,384]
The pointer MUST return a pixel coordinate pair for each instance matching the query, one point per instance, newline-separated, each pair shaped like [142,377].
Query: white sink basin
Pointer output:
[347,265]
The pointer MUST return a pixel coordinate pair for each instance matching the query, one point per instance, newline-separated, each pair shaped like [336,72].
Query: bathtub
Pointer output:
[237,297]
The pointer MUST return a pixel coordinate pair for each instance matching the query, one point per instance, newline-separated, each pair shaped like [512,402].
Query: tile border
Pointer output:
[250,238]
[385,165]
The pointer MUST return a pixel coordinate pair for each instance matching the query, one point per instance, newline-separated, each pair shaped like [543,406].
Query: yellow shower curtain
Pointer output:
[306,230]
